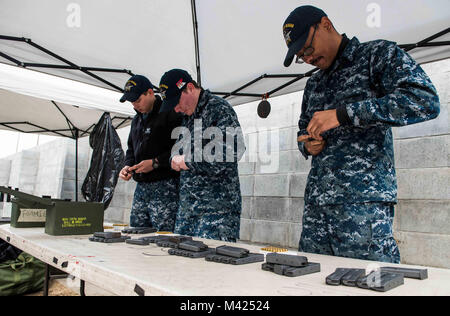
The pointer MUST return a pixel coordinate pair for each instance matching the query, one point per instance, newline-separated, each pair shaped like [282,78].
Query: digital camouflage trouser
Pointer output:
[155,204]
[360,231]
[218,225]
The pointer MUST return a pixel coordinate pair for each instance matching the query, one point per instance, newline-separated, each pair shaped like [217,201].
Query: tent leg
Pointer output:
[76,165]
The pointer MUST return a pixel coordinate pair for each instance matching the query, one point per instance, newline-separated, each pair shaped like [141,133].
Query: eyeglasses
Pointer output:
[308,50]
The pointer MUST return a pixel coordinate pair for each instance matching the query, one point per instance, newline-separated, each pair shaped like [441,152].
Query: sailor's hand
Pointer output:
[144,166]
[125,174]
[178,163]
[321,122]
[313,146]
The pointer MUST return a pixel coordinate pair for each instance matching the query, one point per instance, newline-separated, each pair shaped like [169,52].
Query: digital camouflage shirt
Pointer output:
[374,86]
[210,195]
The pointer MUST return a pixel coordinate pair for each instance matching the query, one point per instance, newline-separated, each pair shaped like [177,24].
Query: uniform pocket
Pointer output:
[383,246]
[381,229]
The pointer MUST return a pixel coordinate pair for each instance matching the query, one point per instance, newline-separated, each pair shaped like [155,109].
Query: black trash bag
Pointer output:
[8,252]
[106,162]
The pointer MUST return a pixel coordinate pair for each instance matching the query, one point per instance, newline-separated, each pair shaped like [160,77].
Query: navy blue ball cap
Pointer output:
[296,29]
[171,85]
[134,87]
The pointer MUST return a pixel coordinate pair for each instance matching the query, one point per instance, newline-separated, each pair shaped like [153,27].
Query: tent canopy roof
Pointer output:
[34,102]
[238,40]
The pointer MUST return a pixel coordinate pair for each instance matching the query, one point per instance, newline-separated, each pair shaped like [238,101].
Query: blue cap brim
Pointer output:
[129,97]
[169,104]
[295,48]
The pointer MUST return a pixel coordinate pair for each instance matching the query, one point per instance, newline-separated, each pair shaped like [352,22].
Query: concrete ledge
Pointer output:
[247,207]
[298,184]
[246,168]
[272,185]
[295,231]
[424,184]
[247,183]
[271,209]
[271,232]
[122,200]
[286,135]
[246,229]
[424,249]
[423,216]
[296,210]
[425,152]
[117,214]
[5,168]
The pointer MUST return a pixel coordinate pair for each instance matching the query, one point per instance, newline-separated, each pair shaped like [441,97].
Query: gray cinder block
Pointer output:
[272,185]
[424,249]
[297,184]
[424,216]
[271,208]
[271,232]
[425,152]
[247,183]
[424,184]
[246,229]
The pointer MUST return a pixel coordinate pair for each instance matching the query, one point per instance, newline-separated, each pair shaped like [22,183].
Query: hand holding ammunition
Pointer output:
[313,146]
[178,163]
[125,174]
[144,166]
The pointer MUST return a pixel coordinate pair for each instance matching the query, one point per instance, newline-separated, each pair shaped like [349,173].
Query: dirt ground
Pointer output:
[56,289]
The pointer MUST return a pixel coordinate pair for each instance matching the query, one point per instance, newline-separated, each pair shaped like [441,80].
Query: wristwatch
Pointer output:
[155,164]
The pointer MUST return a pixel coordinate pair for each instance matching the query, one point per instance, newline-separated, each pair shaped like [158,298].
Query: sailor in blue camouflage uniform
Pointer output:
[155,201]
[349,105]
[206,154]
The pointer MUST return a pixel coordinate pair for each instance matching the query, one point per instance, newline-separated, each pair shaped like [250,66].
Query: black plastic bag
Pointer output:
[106,162]
[8,252]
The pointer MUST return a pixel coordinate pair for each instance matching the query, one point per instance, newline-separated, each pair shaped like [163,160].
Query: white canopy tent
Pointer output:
[34,102]
[235,48]
[225,44]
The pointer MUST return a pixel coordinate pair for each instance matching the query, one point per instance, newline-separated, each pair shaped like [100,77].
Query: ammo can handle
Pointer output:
[26,196]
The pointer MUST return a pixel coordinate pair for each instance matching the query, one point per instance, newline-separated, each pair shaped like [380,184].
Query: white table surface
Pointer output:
[119,267]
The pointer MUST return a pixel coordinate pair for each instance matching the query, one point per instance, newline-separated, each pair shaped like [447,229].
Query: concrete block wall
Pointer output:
[120,206]
[49,169]
[24,170]
[273,177]
[422,216]
[273,198]
[272,174]
[5,169]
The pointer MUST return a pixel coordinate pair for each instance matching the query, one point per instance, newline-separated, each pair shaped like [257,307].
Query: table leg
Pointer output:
[82,286]
[46,279]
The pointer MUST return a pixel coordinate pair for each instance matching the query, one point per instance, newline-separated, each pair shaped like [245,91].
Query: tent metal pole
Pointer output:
[257,95]
[48,52]
[17,62]
[124,120]
[308,74]
[76,164]
[67,67]
[30,42]
[197,50]
[407,47]
[245,86]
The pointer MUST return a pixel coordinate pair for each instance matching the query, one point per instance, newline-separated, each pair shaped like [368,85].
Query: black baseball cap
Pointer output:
[134,87]
[171,86]
[296,29]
